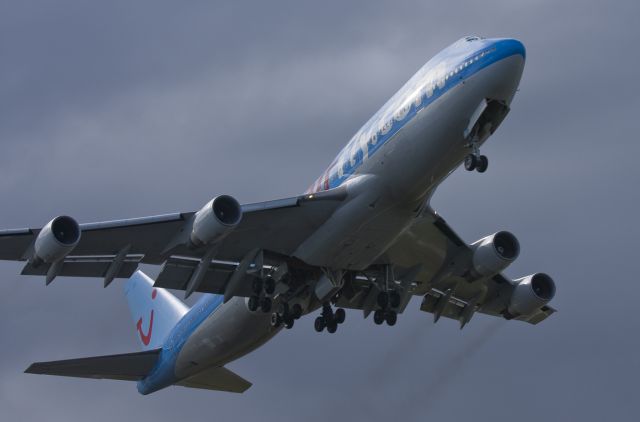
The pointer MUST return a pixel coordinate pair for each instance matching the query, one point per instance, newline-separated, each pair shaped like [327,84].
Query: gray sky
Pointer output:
[113,110]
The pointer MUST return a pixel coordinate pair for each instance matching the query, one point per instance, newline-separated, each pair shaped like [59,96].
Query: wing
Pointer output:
[440,258]
[115,248]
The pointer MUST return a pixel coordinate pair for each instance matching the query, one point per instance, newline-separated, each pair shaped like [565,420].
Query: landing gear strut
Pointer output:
[475,161]
[329,319]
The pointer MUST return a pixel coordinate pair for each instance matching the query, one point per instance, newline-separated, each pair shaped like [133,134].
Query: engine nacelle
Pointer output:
[56,240]
[215,220]
[530,293]
[494,253]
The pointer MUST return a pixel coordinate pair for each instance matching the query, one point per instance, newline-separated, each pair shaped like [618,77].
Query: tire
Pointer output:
[296,311]
[391,318]
[275,320]
[269,285]
[256,286]
[378,316]
[340,315]
[283,308]
[254,303]
[394,299]
[332,326]
[319,324]
[483,164]
[470,162]
[265,305]
[289,323]
[383,299]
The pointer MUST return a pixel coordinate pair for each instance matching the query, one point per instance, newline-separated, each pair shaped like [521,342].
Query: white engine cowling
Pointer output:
[215,220]
[494,253]
[56,240]
[530,293]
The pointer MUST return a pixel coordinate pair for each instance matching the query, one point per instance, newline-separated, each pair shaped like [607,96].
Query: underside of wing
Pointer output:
[456,279]
[113,249]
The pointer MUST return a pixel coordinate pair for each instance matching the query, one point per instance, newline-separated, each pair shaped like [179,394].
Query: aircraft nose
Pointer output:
[510,47]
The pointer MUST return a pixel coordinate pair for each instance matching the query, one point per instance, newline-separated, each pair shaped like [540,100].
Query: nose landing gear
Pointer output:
[480,163]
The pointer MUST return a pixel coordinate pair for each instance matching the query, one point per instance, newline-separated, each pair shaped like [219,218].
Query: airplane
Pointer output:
[362,237]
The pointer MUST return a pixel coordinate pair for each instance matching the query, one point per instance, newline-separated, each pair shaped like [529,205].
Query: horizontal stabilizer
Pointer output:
[217,378]
[128,366]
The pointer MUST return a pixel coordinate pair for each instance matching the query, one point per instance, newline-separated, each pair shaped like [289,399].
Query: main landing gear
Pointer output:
[329,319]
[387,301]
[261,297]
[286,315]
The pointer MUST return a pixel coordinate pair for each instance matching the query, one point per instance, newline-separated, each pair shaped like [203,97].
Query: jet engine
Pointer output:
[56,240]
[494,253]
[215,220]
[530,293]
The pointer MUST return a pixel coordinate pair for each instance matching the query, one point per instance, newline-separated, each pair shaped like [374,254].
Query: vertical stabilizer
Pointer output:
[155,311]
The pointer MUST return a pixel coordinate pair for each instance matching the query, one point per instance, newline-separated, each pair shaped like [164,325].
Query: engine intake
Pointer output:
[215,220]
[530,293]
[494,253]
[56,240]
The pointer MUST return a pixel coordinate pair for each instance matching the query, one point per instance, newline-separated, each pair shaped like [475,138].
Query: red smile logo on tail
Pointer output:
[146,338]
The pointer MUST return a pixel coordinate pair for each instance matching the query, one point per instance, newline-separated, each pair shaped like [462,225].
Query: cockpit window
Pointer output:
[472,38]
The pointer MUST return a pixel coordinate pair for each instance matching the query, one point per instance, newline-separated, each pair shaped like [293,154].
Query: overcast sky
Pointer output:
[122,109]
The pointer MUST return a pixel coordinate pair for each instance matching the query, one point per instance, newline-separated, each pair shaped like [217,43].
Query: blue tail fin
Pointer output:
[155,311]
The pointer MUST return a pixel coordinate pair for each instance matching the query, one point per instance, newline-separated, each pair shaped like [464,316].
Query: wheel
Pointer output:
[483,163]
[256,286]
[391,318]
[283,308]
[394,299]
[265,304]
[378,316]
[383,299]
[470,162]
[269,285]
[289,322]
[332,326]
[296,311]
[340,315]
[319,324]
[275,320]
[254,303]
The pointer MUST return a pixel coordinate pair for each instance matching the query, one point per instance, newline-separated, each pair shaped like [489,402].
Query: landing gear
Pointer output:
[381,315]
[286,315]
[475,161]
[265,304]
[329,319]
[480,163]
[388,302]
[254,303]
[262,297]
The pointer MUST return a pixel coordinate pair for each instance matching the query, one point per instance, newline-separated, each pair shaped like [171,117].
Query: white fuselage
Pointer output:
[390,168]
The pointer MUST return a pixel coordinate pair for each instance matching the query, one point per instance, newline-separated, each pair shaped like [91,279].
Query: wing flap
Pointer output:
[127,367]
[86,267]
[217,378]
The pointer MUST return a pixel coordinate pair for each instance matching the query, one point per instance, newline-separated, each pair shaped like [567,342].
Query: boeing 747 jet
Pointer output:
[362,237]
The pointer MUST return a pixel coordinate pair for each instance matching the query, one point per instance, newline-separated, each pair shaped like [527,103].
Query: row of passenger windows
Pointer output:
[469,63]
[386,127]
